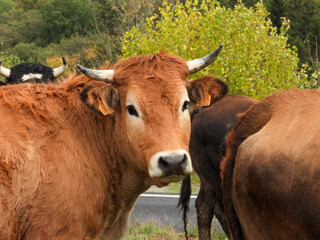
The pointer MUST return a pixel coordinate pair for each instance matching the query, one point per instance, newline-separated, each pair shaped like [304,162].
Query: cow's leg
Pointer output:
[220,215]
[205,204]
[119,228]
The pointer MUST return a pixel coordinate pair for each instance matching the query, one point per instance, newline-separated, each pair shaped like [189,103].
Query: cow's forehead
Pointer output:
[153,78]
[154,67]
[156,91]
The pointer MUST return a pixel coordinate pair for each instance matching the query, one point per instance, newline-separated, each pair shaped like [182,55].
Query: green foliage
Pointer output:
[90,30]
[133,12]
[254,61]
[8,62]
[304,16]
[18,26]
[26,51]
[219,236]
[232,3]
[100,48]
[64,18]
[6,5]
[117,18]
[30,4]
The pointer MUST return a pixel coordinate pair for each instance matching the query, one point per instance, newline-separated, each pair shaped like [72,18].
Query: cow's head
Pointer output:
[148,97]
[32,73]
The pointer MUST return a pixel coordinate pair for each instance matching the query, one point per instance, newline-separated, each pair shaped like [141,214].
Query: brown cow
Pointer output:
[271,172]
[75,156]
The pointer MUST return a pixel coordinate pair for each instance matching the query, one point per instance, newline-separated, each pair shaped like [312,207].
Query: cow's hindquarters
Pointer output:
[274,185]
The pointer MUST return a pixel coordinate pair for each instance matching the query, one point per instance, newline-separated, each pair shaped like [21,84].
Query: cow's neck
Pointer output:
[122,180]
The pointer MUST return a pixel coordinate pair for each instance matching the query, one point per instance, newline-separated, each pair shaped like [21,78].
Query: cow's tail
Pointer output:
[183,204]
[249,123]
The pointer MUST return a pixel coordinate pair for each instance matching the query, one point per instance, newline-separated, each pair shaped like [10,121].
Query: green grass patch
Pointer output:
[155,231]
[152,231]
[195,185]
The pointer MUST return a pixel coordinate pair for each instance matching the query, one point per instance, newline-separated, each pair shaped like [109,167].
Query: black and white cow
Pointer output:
[31,72]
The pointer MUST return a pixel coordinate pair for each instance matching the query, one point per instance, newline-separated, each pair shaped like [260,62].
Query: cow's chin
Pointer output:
[165,180]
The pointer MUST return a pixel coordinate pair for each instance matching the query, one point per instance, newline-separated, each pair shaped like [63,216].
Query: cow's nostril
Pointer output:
[173,164]
[184,160]
[163,164]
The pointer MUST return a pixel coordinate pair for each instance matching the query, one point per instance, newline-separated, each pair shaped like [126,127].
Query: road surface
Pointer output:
[161,208]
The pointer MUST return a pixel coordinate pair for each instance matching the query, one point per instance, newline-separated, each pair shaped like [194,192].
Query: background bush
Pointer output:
[90,33]
[255,60]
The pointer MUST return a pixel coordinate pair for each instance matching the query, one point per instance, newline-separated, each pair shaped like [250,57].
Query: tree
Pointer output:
[30,4]
[6,5]
[64,18]
[304,16]
[18,26]
[232,3]
[27,52]
[255,60]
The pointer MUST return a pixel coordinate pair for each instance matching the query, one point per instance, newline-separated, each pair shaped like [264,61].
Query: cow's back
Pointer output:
[276,149]
[19,171]
[208,135]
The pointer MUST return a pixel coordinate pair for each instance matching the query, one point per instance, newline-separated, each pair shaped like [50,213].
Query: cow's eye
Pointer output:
[132,111]
[185,105]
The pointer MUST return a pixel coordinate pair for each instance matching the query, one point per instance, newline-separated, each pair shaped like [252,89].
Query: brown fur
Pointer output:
[209,130]
[271,169]
[67,172]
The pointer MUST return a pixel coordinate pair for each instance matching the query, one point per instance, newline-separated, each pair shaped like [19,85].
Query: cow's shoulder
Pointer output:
[212,124]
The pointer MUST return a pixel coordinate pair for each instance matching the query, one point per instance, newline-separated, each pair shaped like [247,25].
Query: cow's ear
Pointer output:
[206,90]
[101,98]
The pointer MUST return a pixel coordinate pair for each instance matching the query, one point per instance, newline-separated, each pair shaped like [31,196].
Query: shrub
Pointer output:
[255,60]
[8,62]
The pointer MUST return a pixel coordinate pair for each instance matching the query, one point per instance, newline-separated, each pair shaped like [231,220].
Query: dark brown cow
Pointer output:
[209,129]
[271,172]
[75,156]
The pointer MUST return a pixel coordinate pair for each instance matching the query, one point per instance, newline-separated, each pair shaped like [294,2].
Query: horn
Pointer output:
[60,70]
[200,63]
[4,71]
[102,75]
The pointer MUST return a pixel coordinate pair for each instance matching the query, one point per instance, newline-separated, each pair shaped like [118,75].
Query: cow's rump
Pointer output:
[271,171]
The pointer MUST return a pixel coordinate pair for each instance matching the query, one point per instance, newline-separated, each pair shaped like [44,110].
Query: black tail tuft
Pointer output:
[183,204]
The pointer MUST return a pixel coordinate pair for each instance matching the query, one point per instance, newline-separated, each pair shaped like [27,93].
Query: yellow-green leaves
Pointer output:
[255,60]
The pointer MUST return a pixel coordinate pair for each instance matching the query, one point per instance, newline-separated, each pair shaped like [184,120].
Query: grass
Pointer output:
[195,185]
[154,231]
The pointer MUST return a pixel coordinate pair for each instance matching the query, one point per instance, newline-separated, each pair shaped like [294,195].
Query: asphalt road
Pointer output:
[161,208]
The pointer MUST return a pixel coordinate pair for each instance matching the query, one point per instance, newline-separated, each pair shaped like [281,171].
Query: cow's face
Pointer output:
[149,101]
[155,124]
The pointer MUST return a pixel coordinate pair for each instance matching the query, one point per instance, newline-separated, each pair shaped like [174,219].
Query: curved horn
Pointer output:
[60,70]
[200,63]
[102,75]
[4,71]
